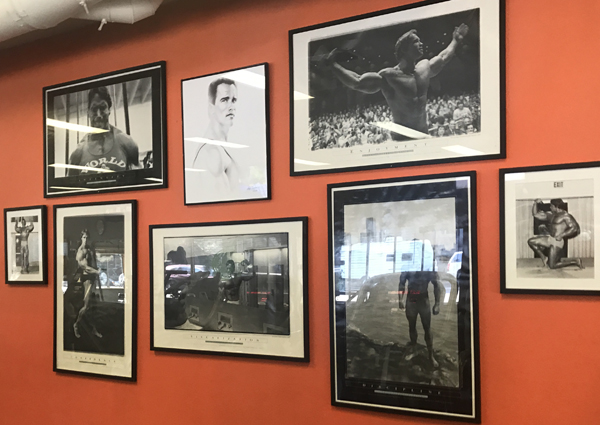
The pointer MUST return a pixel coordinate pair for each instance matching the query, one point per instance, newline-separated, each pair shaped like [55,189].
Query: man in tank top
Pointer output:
[110,150]
[220,178]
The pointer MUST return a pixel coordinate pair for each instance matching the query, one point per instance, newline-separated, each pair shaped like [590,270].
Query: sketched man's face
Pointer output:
[224,109]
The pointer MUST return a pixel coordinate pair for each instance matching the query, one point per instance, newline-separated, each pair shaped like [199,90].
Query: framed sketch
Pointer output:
[25,241]
[418,84]
[403,296]
[106,133]
[232,288]
[548,217]
[226,136]
[95,289]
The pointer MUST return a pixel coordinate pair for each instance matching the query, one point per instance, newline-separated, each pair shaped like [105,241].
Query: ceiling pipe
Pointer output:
[21,16]
[121,11]
[18,17]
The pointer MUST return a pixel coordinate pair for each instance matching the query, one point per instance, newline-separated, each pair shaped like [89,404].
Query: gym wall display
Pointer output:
[403,296]
[25,242]
[106,133]
[422,83]
[548,221]
[226,136]
[232,288]
[95,289]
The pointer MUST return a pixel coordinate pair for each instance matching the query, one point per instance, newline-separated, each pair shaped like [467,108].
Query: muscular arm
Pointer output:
[571,230]
[370,82]
[437,292]
[438,62]
[539,214]
[402,290]
[131,150]
[81,258]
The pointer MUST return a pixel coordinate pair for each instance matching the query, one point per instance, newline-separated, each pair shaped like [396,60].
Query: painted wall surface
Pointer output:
[539,354]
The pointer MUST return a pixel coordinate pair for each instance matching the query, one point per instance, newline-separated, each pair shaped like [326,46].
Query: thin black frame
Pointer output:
[469,156]
[303,221]
[502,208]
[134,289]
[267,136]
[42,211]
[465,202]
[136,179]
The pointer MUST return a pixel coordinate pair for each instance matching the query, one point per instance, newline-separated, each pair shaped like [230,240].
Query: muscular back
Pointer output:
[562,223]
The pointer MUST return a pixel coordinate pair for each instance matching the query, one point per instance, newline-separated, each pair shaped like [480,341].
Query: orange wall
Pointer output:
[539,354]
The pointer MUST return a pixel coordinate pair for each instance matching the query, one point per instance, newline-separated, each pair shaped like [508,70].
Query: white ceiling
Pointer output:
[64,27]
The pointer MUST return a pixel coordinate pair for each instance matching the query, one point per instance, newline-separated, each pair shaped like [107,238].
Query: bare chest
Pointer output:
[410,85]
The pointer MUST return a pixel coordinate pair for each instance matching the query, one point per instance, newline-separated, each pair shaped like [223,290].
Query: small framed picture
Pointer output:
[226,136]
[95,289]
[106,133]
[403,296]
[25,242]
[232,288]
[548,221]
[418,84]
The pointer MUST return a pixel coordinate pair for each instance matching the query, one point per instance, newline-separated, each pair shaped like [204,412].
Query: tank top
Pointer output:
[115,159]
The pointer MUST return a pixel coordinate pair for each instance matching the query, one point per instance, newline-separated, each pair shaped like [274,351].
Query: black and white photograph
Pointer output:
[215,289]
[547,228]
[25,236]
[403,296]
[106,133]
[226,136]
[417,84]
[95,289]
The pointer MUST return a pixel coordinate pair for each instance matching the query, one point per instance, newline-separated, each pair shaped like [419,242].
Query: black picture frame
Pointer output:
[548,218]
[338,129]
[236,288]
[97,336]
[131,104]
[26,245]
[388,240]
[210,138]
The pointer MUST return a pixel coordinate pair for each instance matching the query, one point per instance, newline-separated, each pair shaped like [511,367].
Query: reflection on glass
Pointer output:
[396,274]
[228,283]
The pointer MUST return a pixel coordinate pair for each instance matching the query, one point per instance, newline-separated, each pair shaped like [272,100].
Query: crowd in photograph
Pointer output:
[446,116]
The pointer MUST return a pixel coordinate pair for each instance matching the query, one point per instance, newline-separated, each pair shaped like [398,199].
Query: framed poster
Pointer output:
[418,84]
[106,133]
[403,296]
[548,217]
[25,241]
[226,136]
[233,288]
[95,289]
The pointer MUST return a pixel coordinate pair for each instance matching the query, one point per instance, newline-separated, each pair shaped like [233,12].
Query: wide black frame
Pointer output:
[553,178]
[305,160]
[86,362]
[461,403]
[152,171]
[41,211]
[293,347]
[264,120]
